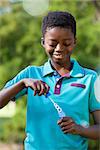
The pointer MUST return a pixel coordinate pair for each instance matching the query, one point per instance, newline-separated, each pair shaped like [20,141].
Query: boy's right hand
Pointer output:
[38,86]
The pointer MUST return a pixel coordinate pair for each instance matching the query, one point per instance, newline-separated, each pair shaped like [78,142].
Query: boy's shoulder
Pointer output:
[33,67]
[89,71]
[84,70]
[31,70]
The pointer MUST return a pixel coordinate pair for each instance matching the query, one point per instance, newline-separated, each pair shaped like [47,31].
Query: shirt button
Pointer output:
[55,73]
[58,86]
[57,79]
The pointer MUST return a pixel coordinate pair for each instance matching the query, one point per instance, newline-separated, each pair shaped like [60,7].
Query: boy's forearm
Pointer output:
[9,93]
[92,132]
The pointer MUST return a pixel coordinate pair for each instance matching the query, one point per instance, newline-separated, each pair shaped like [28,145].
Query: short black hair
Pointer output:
[58,19]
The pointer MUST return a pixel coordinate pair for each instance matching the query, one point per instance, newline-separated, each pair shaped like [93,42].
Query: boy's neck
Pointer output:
[62,69]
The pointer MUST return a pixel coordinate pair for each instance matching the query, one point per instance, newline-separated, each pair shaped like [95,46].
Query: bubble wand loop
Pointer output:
[57,107]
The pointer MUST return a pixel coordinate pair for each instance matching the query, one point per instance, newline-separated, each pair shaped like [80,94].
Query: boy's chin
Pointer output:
[57,60]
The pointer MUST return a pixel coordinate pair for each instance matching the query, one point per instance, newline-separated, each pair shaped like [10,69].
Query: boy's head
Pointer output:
[59,19]
[59,36]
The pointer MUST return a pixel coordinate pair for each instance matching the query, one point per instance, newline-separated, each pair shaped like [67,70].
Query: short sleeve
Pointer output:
[94,103]
[21,75]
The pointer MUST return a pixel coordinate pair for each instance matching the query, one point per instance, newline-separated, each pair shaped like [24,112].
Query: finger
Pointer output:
[67,127]
[35,88]
[68,122]
[42,88]
[63,124]
[65,121]
[59,121]
[62,120]
[71,130]
[46,88]
[38,86]
[67,118]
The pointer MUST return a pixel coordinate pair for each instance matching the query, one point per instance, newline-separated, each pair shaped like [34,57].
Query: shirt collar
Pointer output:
[47,69]
[77,70]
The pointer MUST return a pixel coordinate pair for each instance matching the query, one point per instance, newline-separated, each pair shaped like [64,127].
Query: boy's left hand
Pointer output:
[68,125]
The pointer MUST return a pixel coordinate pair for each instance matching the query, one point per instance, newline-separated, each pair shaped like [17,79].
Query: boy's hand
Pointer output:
[38,86]
[68,125]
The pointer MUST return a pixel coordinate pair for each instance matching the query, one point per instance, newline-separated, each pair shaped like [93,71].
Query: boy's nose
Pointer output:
[59,47]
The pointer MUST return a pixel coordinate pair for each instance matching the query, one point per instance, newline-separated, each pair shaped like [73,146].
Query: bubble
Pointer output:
[35,7]
[97,88]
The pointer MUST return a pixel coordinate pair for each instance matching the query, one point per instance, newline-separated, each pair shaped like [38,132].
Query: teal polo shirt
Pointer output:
[73,92]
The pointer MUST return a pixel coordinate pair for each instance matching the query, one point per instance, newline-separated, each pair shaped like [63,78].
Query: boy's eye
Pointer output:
[52,45]
[67,44]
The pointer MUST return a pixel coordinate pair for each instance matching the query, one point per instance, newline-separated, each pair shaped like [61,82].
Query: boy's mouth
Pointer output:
[58,55]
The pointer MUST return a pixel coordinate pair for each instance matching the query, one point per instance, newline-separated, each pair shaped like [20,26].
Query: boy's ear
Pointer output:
[42,41]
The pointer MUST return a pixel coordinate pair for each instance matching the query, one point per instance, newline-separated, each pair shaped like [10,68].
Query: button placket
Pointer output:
[55,73]
[57,79]
[58,86]
[59,83]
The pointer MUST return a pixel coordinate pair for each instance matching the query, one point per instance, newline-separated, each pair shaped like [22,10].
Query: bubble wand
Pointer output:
[57,107]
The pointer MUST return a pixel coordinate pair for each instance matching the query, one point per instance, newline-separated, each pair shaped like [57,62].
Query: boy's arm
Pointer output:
[9,93]
[68,125]
[92,132]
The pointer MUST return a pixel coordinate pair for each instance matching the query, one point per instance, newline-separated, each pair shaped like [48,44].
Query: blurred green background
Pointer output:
[20,38]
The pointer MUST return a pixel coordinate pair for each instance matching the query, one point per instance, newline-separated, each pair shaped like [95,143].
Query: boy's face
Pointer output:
[59,43]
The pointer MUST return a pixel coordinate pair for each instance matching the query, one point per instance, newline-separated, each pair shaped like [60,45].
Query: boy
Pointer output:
[70,85]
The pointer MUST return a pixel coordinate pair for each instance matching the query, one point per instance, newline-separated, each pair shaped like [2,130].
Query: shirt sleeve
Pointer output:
[21,75]
[94,103]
